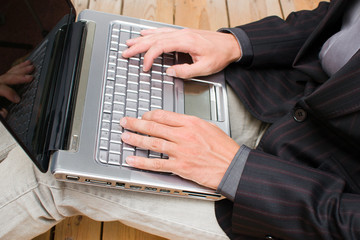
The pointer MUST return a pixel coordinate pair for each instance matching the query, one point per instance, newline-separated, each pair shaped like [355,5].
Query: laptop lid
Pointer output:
[42,31]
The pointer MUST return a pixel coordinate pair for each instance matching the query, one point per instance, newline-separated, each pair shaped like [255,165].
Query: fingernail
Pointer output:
[125,136]
[16,99]
[123,122]
[124,53]
[171,72]
[130,160]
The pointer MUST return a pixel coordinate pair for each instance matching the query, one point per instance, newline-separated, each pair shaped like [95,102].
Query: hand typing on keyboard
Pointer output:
[197,150]
[210,51]
[16,75]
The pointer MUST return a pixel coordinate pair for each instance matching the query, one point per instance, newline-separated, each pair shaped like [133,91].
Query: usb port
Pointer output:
[121,185]
[135,187]
[150,189]
[164,191]
[72,178]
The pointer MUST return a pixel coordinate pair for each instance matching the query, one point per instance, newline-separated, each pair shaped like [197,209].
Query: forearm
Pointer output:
[292,201]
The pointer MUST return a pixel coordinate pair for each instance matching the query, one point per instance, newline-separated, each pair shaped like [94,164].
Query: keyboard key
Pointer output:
[104,144]
[117,107]
[144,104]
[103,156]
[117,116]
[156,92]
[114,159]
[116,128]
[105,134]
[168,98]
[129,91]
[125,154]
[142,153]
[115,147]
[115,137]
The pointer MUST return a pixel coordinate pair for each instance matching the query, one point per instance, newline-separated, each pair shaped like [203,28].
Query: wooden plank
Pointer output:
[202,14]
[246,11]
[44,236]
[109,6]
[80,5]
[119,231]
[155,10]
[79,228]
[289,6]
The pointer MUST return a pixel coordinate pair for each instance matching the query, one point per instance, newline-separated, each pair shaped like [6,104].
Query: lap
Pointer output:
[48,201]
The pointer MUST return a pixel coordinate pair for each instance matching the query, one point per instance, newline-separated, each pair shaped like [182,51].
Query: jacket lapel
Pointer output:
[307,59]
[340,94]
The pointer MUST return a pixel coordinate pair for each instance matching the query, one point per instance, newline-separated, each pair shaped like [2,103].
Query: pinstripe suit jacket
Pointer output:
[302,182]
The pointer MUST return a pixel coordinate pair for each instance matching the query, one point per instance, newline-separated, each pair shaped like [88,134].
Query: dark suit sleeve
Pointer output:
[291,201]
[277,39]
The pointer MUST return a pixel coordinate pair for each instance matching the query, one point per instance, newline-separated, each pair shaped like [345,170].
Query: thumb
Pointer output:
[187,70]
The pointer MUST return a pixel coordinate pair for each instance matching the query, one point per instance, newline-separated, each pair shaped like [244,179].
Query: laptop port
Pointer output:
[72,178]
[151,189]
[134,187]
[98,182]
[121,185]
[164,191]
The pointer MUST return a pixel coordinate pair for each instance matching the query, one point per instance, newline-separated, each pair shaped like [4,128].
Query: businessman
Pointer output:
[301,76]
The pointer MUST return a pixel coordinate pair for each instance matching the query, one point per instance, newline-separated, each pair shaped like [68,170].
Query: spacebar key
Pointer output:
[168,98]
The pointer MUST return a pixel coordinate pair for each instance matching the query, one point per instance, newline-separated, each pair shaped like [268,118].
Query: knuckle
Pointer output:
[152,127]
[156,144]
[193,120]
[157,164]
[159,115]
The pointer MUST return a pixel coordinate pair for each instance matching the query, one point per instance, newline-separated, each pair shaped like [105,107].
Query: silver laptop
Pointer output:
[68,119]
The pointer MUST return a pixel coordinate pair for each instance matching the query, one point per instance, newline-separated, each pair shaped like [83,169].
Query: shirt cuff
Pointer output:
[244,43]
[229,183]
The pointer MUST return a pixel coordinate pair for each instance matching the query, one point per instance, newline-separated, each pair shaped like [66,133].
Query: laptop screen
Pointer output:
[23,25]
[31,29]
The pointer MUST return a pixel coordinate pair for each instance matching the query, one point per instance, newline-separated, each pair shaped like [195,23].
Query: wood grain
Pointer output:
[246,11]
[109,6]
[202,14]
[155,10]
[78,227]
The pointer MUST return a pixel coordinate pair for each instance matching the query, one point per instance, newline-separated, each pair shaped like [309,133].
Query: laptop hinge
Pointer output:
[66,87]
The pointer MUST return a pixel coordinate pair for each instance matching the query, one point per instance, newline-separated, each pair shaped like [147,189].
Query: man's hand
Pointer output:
[16,75]
[210,51]
[197,150]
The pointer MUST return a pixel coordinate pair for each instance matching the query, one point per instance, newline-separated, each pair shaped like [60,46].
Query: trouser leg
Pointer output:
[32,202]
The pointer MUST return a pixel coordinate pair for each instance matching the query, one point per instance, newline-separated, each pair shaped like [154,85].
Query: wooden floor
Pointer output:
[203,14]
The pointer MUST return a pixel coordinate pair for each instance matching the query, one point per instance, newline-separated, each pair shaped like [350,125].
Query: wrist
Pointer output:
[234,48]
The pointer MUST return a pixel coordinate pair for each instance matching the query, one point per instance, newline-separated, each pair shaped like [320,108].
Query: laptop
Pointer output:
[68,118]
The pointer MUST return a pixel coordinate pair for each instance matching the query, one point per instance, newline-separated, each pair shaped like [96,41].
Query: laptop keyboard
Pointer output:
[20,114]
[128,91]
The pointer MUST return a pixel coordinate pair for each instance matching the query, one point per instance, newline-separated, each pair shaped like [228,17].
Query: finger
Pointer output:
[166,117]
[22,68]
[9,93]
[151,143]
[186,71]
[147,127]
[135,47]
[168,43]
[152,164]
[3,112]
[146,32]
[13,79]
